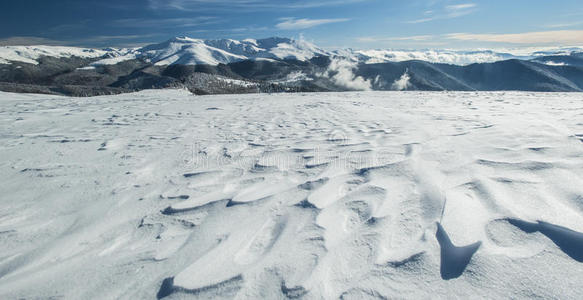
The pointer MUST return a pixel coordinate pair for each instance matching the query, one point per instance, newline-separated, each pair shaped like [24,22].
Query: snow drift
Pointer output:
[161,194]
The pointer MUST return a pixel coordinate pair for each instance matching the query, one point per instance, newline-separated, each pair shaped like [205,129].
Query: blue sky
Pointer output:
[411,24]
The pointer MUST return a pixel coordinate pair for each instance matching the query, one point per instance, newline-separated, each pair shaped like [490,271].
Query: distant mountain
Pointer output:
[31,54]
[505,75]
[189,51]
[280,65]
[434,56]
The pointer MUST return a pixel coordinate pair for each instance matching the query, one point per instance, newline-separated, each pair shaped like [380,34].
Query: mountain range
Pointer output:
[281,65]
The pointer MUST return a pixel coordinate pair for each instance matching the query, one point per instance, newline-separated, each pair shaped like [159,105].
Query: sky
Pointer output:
[358,24]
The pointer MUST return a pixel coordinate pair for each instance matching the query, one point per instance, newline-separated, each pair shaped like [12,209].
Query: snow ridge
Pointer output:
[191,51]
[31,54]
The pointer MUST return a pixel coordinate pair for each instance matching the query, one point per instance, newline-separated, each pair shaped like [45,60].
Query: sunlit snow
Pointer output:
[353,195]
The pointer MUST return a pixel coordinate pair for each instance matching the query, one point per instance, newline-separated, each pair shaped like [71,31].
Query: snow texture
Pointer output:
[162,194]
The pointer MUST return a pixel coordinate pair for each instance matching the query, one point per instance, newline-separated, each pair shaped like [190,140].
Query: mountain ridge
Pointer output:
[277,65]
[230,50]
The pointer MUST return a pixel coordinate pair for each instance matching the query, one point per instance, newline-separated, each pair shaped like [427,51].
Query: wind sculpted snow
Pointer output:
[162,194]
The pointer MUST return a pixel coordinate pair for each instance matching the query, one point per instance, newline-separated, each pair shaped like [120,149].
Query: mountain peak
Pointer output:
[190,51]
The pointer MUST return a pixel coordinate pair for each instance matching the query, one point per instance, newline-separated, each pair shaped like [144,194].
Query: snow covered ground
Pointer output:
[352,195]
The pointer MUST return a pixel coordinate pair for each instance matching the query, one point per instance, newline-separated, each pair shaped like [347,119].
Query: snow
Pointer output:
[295,49]
[237,82]
[179,50]
[115,56]
[187,51]
[294,77]
[30,54]
[552,63]
[356,195]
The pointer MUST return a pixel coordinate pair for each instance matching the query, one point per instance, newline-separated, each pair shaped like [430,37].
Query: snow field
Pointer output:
[352,195]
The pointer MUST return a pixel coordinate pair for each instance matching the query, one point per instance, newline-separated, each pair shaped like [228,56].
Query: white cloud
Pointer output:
[538,38]
[454,11]
[90,41]
[447,12]
[247,5]
[563,25]
[294,24]
[424,20]
[31,41]
[341,72]
[237,31]
[167,23]
[390,39]
[402,83]
[541,37]
[459,7]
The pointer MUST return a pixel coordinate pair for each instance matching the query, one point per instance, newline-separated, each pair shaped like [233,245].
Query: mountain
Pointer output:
[185,51]
[281,65]
[503,75]
[31,54]
[179,50]
[188,51]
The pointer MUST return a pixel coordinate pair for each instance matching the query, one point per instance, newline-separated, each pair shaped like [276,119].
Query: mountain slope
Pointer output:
[278,64]
[503,75]
[187,51]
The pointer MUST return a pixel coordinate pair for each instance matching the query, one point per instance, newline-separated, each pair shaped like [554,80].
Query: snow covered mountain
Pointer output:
[186,51]
[282,65]
[189,51]
[31,54]
[179,50]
